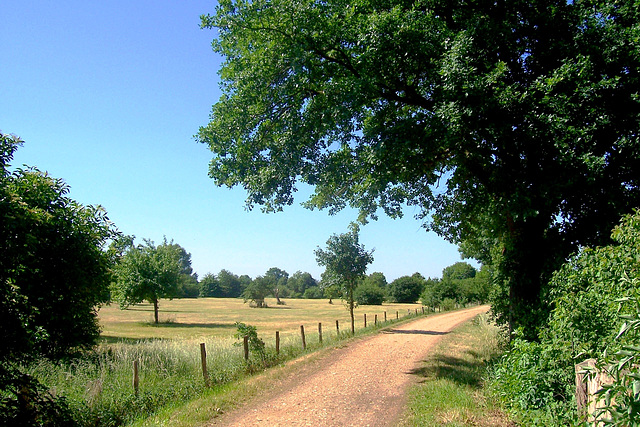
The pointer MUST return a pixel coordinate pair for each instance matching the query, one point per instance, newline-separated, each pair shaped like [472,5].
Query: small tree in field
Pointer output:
[345,260]
[148,272]
[258,290]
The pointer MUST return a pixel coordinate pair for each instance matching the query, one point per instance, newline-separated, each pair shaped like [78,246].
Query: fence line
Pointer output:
[203,352]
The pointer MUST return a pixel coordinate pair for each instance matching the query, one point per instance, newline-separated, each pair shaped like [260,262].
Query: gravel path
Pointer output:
[362,384]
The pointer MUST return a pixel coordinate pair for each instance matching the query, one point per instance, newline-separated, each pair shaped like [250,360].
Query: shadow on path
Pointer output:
[414,332]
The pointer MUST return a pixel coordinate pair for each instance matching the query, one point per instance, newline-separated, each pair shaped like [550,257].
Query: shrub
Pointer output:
[448,304]
[314,292]
[407,288]
[369,294]
[584,323]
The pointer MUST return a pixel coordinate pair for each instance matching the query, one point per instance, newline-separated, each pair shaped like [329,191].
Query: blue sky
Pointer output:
[108,95]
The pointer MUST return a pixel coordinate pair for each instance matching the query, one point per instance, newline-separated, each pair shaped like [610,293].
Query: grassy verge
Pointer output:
[450,390]
[98,388]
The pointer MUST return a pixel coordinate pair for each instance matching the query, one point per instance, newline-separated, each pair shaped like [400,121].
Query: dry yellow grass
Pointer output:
[207,317]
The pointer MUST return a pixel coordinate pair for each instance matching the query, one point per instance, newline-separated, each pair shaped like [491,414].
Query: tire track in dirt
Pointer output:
[362,384]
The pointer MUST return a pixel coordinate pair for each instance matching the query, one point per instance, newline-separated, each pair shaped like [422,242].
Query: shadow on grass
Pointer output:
[415,332]
[172,324]
[456,369]
[150,310]
[108,339]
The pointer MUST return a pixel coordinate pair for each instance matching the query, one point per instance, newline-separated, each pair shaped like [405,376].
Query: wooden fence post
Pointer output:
[320,332]
[246,347]
[397,315]
[277,342]
[337,328]
[136,378]
[304,341]
[203,359]
[365,320]
[375,320]
[385,317]
[586,389]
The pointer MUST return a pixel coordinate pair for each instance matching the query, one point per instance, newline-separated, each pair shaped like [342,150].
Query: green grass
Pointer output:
[98,387]
[450,390]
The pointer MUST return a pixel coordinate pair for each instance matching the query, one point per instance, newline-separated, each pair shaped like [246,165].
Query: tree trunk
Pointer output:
[353,323]
[155,310]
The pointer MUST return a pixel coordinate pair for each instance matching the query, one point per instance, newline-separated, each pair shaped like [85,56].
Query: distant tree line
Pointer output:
[460,284]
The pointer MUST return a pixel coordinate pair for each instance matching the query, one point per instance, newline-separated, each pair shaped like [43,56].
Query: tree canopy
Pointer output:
[345,260]
[511,125]
[407,288]
[149,272]
[55,269]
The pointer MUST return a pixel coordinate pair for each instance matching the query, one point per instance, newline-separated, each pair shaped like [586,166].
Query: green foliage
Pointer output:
[258,290]
[278,279]
[54,269]
[149,272]
[430,297]
[448,304]
[345,261]
[583,324]
[529,380]
[524,116]
[300,282]
[209,286]
[622,397]
[54,274]
[459,271]
[231,286]
[314,292]
[369,294]
[407,288]
[256,345]
[34,404]
[377,279]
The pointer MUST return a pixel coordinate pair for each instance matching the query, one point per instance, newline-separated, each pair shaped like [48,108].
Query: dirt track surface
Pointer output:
[361,384]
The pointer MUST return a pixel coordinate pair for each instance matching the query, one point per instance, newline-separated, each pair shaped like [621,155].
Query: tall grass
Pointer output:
[98,388]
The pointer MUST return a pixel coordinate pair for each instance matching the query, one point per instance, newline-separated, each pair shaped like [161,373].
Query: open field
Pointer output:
[98,388]
[215,317]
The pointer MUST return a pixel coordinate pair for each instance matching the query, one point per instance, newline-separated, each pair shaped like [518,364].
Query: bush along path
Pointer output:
[361,384]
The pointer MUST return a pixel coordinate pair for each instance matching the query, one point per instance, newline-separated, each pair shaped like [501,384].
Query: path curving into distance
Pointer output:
[361,384]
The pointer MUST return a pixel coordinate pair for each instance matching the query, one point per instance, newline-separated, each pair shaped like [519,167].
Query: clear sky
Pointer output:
[108,95]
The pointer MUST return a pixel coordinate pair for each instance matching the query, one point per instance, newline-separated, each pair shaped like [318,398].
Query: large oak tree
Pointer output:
[511,125]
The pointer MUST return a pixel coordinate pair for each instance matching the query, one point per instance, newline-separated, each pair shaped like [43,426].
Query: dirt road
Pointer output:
[362,384]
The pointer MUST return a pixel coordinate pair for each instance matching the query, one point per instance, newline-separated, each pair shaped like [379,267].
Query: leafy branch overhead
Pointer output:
[511,126]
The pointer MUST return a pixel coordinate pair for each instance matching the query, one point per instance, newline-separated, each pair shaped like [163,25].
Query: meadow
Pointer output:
[98,387]
[215,317]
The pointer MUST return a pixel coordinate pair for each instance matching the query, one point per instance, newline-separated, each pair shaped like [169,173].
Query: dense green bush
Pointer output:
[622,363]
[407,288]
[313,292]
[369,294]
[536,379]
[529,380]
[448,304]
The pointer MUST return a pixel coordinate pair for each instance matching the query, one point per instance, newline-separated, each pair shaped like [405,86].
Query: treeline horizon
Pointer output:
[459,282]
